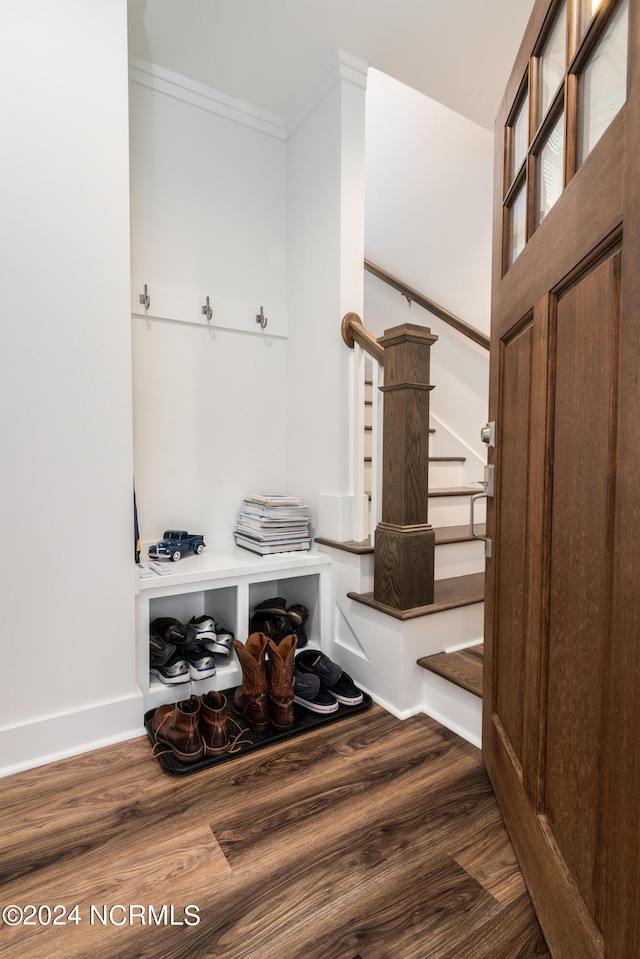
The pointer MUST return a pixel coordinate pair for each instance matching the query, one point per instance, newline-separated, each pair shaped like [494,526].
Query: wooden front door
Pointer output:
[562,644]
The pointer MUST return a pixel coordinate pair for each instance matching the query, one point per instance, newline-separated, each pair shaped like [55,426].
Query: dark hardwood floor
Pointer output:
[373,836]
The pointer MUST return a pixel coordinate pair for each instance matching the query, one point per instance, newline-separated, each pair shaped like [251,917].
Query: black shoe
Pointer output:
[160,650]
[309,693]
[271,624]
[276,606]
[173,631]
[298,614]
[332,676]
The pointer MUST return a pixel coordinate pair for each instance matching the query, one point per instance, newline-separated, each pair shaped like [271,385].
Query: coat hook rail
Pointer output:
[207,310]
[145,299]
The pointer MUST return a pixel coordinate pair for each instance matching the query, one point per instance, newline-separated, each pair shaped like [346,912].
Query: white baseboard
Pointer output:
[54,737]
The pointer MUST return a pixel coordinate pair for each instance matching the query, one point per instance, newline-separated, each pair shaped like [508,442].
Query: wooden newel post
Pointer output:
[405,542]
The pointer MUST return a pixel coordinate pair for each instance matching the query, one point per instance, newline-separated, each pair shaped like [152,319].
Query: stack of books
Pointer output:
[271,523]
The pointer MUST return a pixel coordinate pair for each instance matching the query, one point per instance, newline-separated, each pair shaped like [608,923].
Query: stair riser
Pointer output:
[459,559]
[454,510]
[453,707]
[445,474]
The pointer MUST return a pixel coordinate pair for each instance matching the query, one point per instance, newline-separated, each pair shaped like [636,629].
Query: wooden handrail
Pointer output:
[353,331]
[414,297]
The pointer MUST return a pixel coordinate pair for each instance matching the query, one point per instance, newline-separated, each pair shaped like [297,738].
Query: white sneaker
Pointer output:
[204,626]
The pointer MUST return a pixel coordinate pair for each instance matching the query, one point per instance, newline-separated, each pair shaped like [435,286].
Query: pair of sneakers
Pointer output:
[176,655]
[322,686]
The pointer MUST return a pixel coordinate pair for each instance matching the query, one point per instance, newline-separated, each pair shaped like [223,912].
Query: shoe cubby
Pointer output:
[226,584]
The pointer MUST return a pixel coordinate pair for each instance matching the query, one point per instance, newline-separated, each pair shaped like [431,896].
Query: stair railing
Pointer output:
[412,296]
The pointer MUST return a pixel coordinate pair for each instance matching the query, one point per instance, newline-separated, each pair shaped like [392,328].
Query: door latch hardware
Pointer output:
[472,532]
[489,480]
[488,434]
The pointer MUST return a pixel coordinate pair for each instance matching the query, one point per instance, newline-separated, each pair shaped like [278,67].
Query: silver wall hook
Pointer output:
[145,299]
[207,311]
[261,318]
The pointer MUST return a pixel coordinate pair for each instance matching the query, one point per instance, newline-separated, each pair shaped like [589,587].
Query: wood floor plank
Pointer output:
[512,934]
[490,859]
[376,836]
[181,860]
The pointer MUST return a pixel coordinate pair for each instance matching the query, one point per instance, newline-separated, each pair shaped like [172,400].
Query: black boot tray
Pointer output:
[246,739]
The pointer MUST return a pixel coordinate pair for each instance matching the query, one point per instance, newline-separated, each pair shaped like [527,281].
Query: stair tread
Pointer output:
[464,667]
[455,490]
[449,594]
[457,534]
[434,459]
[444,535]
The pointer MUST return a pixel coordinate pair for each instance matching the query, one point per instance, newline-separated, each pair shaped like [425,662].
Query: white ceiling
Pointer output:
[269,52]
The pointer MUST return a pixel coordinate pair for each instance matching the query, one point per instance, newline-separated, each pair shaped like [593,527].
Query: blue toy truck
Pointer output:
[176,543]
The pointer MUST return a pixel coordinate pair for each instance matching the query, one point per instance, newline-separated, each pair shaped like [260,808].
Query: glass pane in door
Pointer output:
[520,141]
[603,84]
[551,169]
[518,224]
[553,62]
[588,8]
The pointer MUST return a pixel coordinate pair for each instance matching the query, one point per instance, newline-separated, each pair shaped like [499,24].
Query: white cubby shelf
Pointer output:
[226,582]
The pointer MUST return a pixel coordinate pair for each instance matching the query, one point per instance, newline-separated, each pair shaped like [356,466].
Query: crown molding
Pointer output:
[198,95]
[340,67]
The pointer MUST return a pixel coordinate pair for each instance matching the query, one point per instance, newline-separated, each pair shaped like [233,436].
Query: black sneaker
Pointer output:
[173,631]
[309,693]
[332,676]
[160,651]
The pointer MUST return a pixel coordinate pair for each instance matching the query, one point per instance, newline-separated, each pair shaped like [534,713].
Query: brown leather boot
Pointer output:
[178,727]
[250,700]
[213,723]
[281,681]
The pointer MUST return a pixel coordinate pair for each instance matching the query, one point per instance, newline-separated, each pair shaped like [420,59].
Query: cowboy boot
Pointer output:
[177,727]
[213,723]
[250,700]
[281,681]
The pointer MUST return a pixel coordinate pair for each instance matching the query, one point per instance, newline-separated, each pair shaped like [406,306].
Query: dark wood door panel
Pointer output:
[584,431]
[516,379]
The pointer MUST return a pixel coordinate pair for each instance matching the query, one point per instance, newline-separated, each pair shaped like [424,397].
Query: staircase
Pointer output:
[420,660]
[395,634]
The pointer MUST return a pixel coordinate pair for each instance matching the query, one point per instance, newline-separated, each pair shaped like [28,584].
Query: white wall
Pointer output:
[325,230]
[429,174]
[208,219]
[65,388]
